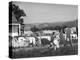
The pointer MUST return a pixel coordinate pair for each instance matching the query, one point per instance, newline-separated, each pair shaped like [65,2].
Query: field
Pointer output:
[44,51]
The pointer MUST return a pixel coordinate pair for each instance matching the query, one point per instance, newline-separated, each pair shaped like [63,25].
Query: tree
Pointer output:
[77,30]
[34,29]
[58,28]
[63,28]
[48,28]
[17,12]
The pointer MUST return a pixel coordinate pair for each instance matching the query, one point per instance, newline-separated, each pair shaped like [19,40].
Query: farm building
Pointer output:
[14,27]
[49,32]
[72,31]
[28,33]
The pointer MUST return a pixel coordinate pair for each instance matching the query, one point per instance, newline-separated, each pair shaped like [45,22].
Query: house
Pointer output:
[14,27]
[46,37]
[73,34]
[73,29]
[49,32]
[28,33]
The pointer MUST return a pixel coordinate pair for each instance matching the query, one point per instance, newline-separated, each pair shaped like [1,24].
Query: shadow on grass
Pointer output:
[46,52]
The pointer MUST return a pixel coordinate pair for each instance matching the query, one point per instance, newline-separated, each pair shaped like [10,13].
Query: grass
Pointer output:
[42,52]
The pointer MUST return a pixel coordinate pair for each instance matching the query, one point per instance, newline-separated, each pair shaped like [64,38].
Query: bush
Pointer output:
[45,41]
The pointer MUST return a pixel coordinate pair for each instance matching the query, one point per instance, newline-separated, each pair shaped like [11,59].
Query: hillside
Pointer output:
[68,24]
[43,25]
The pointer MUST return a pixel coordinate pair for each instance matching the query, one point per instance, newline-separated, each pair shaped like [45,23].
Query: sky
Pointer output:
[48,13]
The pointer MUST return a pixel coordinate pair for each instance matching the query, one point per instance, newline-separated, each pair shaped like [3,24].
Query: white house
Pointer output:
[50,31]
[14,29]
[28,33]
[46,37]
[73,29]
[73,36]
[14,26]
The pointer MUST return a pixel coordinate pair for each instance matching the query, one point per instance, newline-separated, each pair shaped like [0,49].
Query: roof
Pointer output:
[14,20]
[49,31]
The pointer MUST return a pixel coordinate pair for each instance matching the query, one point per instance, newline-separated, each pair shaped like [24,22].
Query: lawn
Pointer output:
[45,51]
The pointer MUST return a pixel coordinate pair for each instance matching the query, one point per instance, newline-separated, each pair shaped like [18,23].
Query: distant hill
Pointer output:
[68,24]
[43,25]
[71,23]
